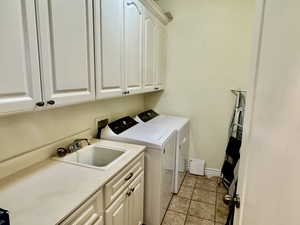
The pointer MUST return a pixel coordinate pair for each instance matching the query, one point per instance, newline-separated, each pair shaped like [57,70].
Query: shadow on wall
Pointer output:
[26,132]
[153,101]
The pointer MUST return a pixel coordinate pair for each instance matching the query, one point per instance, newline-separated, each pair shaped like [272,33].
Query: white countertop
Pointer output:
[47,192]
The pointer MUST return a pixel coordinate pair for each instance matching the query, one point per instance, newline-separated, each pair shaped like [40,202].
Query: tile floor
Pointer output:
[199,202]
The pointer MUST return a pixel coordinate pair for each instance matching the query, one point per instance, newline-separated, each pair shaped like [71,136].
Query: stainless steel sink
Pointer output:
[95,156]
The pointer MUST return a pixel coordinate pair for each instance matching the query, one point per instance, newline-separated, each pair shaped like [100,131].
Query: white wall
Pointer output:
[27,132]
[209,44]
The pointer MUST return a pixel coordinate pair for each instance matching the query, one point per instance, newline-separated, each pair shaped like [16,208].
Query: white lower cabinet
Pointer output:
[128,209]
[117,213]
[136,201]
[90,213]
[120,202]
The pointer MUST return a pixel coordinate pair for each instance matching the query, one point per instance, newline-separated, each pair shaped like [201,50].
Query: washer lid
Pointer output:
[147,115]
[142,133]
[122,124]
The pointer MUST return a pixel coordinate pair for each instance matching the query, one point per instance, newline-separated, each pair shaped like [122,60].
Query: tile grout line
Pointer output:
[193,187]
[215,219]
[187,214]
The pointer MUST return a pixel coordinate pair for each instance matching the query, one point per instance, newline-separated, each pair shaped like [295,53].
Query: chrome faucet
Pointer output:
[76,145]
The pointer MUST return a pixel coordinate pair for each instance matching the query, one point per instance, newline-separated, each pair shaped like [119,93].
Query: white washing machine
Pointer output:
[182,127]
[159,162]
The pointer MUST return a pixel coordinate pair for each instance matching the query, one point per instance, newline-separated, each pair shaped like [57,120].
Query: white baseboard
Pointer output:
[211,172]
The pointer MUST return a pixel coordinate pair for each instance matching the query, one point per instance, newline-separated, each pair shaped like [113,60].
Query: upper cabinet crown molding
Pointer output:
[156,10]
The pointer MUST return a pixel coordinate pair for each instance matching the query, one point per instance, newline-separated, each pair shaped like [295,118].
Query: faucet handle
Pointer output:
[76,145]
[82,139]
[61,152]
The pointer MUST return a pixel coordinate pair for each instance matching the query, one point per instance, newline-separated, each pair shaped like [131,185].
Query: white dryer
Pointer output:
[182,127]
[159,162]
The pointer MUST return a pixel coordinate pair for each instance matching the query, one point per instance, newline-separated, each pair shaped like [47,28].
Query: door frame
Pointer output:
[253,74]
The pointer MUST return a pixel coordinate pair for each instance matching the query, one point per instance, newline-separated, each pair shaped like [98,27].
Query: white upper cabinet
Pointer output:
[133,43]
[161,38]
[66,50]
[154,53]
[149,69]
[61,52]
[109,78]
[20,87]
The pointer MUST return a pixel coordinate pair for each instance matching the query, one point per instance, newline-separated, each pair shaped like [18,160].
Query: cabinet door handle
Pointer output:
[136,6]
[51,102]
[40,104]
[129,177]
[156,88]
[128,193]
[132,189]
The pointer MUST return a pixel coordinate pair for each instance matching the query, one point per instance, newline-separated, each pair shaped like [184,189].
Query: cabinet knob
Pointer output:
[156,88]
[40,104]
[51,102]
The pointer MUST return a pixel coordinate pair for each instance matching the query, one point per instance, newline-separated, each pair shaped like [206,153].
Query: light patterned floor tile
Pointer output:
[179,204]
[189,181]
[204,196]
[202,210]
[174,218]
[191,220]
[220,201]
[185,192]
[221,189]
[222,214]
[207,184]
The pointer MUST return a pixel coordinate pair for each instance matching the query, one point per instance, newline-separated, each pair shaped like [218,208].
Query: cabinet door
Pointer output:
[117,213]
[136,201]
[161,38]
[66,47]
[20,87]
[133,40]
[109,78]
[149,74]
[90,213]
